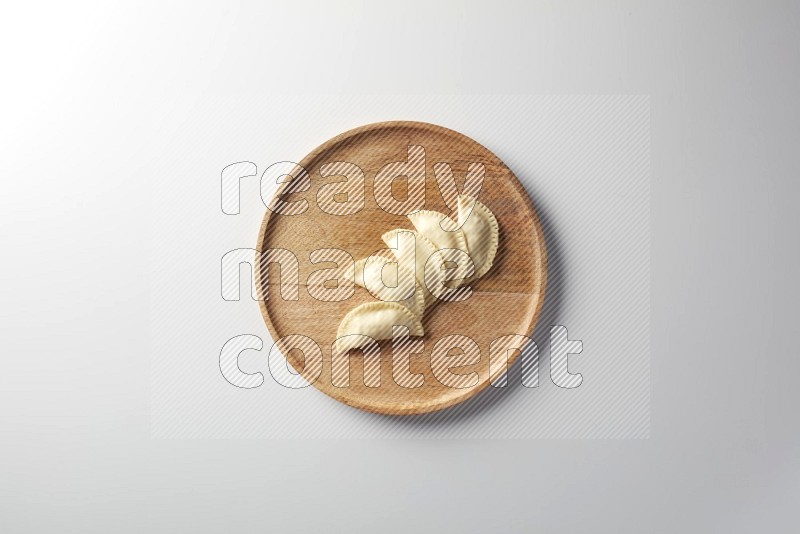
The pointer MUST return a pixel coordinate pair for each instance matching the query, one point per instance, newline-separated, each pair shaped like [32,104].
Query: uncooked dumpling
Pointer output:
[481,232]
[388,280]
[375,320]
[416,258]
[408,260]
[447,237]
[440,229]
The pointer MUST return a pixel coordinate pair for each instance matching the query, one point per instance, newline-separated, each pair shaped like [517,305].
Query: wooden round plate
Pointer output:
[506,300]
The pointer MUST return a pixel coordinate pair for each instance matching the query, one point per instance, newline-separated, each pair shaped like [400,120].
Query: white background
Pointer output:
[94,99]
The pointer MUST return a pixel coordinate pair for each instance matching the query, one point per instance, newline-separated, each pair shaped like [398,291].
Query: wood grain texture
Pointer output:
[506,300]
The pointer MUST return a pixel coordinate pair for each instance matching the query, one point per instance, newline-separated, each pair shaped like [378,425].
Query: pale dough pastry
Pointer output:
[417,257]
[446,236]
[389,273]
[481,232]
[440,229]
[376,320]
[388,280]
